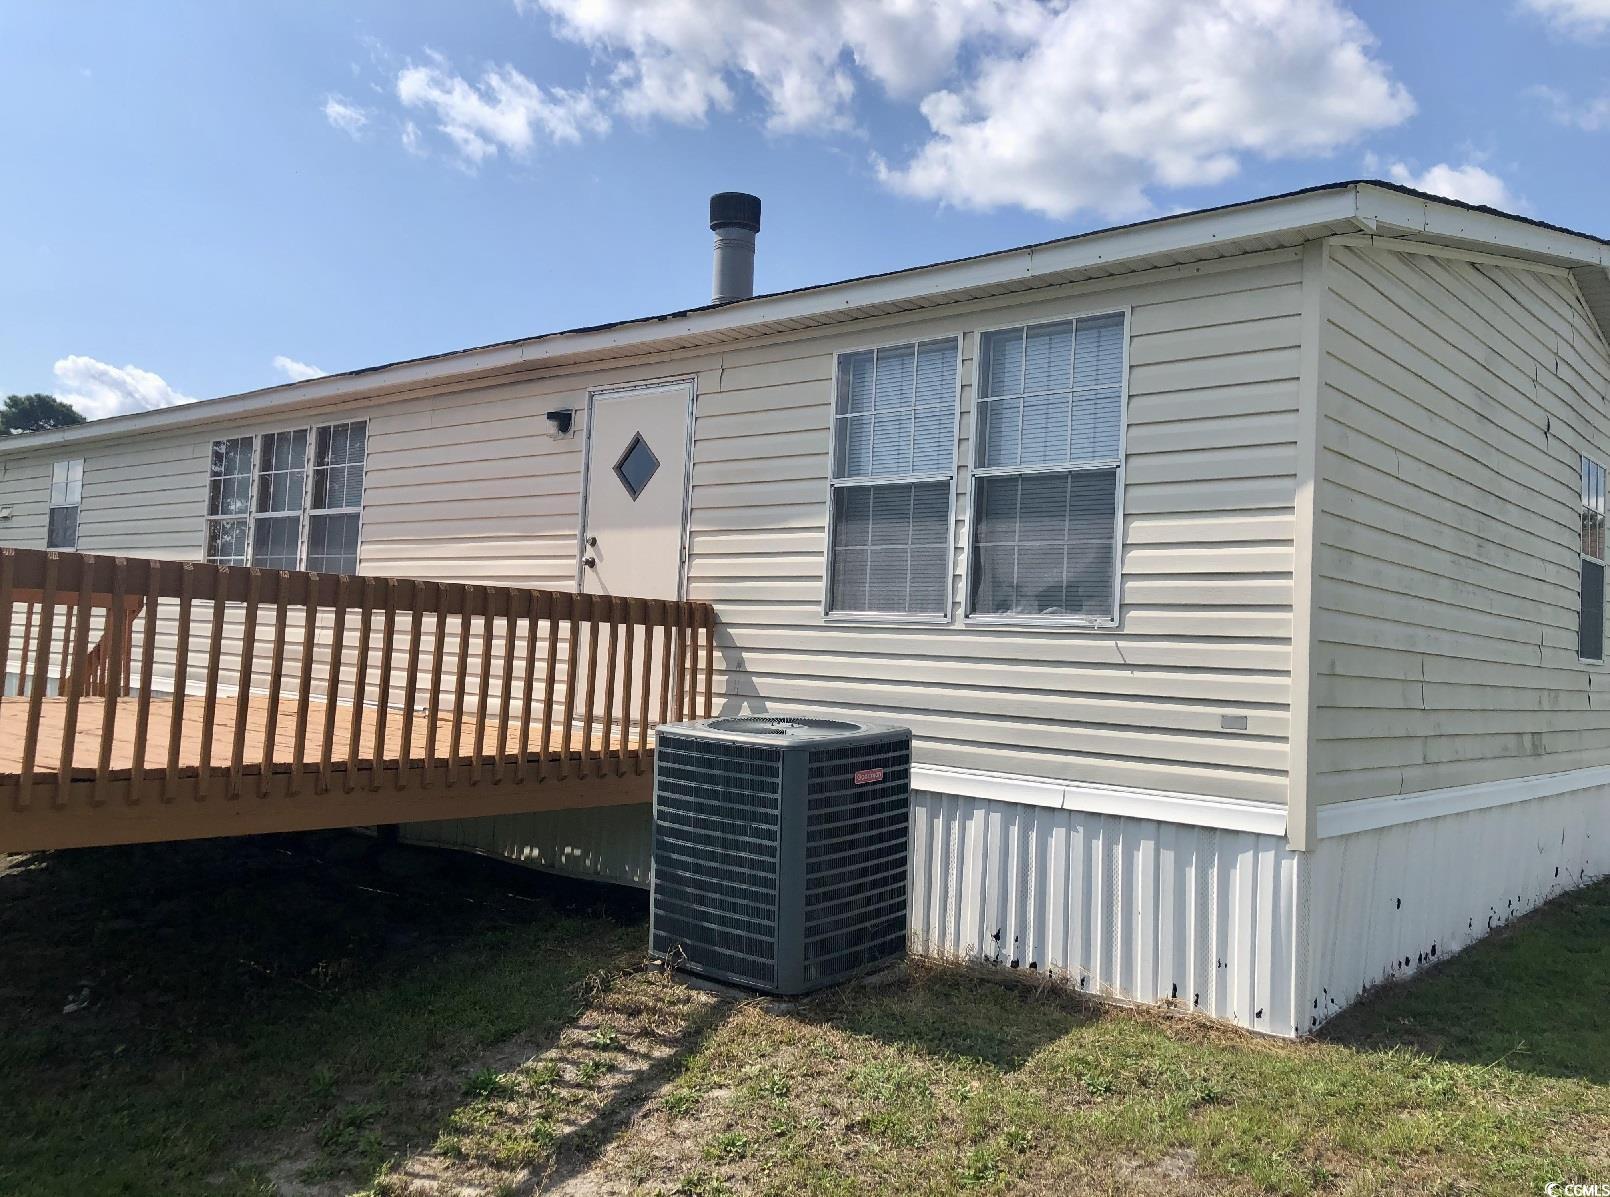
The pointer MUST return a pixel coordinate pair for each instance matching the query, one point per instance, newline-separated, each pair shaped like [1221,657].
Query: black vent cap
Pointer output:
[735,209]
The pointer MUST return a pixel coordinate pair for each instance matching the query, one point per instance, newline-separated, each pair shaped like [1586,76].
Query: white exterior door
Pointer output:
[635,507]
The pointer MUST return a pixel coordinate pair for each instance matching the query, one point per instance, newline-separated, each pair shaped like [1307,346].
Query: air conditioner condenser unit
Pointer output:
[780,849]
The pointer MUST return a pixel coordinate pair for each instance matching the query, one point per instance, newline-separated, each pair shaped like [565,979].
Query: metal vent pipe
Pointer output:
[734,219]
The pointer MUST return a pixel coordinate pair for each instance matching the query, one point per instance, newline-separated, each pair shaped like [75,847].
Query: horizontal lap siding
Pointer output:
[1206,586]
[1456,400]
[469,482]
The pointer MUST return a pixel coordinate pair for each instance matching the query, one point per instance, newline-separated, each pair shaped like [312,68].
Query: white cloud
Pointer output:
[1112,100]
[1591,116]
[1576,18]
[343,114]
[505,111]
[679,60]
[1470,183]
[294,370]
[99,390]
[1052,105]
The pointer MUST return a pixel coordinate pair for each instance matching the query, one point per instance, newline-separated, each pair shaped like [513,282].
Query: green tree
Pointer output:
[36,413]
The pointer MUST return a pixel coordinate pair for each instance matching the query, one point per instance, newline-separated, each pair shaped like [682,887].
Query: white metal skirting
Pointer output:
[1390,901]
[1200,918]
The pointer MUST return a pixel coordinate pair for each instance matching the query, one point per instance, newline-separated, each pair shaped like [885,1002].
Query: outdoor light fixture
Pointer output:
[560,419]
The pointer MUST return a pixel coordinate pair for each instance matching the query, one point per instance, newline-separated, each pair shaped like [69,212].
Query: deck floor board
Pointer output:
[87,737]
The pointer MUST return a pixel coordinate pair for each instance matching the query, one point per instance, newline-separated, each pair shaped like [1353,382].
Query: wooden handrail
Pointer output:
[211,678]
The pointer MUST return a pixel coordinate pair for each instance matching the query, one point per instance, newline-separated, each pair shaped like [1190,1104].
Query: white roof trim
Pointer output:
[1360,205]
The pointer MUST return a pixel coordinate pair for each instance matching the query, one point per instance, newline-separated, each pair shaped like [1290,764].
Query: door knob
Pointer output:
[592,542]
[590,561]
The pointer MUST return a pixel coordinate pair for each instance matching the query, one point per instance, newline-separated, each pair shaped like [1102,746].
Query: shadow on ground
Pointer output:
[191,1008]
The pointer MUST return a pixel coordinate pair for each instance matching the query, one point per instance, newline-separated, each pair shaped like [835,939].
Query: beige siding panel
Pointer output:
[1457,398]
[470,482]
[1206,587]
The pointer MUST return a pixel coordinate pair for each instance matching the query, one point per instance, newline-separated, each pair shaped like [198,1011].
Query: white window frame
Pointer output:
[1585,504]
[307,511]
[77,505]
[251,497]
[892,618]
[1084,623]
[312,474]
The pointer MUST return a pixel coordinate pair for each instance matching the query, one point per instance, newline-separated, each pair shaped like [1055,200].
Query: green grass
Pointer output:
[408,1030]
[248,997]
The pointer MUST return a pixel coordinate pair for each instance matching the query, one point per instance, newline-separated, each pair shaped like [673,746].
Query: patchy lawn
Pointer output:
[307,1016]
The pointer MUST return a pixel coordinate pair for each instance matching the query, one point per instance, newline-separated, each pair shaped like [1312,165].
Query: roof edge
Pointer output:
[1373,205]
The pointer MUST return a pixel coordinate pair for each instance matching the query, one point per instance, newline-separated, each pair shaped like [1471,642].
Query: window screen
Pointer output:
[229,501]
[1046,470]
[1590,621]
[332,530]
[894,462]
[66,489]
[281,489]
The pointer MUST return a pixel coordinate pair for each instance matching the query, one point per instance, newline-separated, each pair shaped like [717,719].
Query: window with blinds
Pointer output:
[894,463]
[1590,619]
[66,490]
[1047,471]
[274,504]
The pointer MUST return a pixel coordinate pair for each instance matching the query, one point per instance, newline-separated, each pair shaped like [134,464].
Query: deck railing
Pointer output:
[161,678]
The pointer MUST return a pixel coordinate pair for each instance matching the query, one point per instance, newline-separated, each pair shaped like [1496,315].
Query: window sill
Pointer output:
[1067,623]
[872,620]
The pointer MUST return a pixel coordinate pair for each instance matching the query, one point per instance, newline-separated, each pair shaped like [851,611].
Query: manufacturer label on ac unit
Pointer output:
[865,777]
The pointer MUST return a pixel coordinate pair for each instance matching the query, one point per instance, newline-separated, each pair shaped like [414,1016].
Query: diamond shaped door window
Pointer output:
[637,465]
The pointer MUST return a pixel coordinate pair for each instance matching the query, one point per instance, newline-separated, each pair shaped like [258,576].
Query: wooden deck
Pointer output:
[458,701]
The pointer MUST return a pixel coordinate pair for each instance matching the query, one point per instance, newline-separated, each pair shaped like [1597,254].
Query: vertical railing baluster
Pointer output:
[595,607]
[215,642]
[36,693]
[570,684]
[531,601]
[117,629]
[460,682]
[388,633]
[332,685]
[8,570]
[547,688]
[72,681]
[626,686]
[304,683]
[181,680]
[360,686]
[646,608]
[433,701]
[276,680]
[607,749]
[148,648]
[416,620]
[506,693]
[483,685]
[243,681]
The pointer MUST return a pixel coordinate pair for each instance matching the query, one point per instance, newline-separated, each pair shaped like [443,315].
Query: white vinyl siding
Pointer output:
[1457,401]
[1047,474]
[66,492]
[1590,626]
[468,480]
[894,463]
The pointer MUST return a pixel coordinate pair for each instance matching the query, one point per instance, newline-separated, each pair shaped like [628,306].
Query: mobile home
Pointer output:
[1240,573]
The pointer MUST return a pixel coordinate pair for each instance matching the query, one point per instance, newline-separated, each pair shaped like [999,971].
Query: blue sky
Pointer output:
[200,198]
